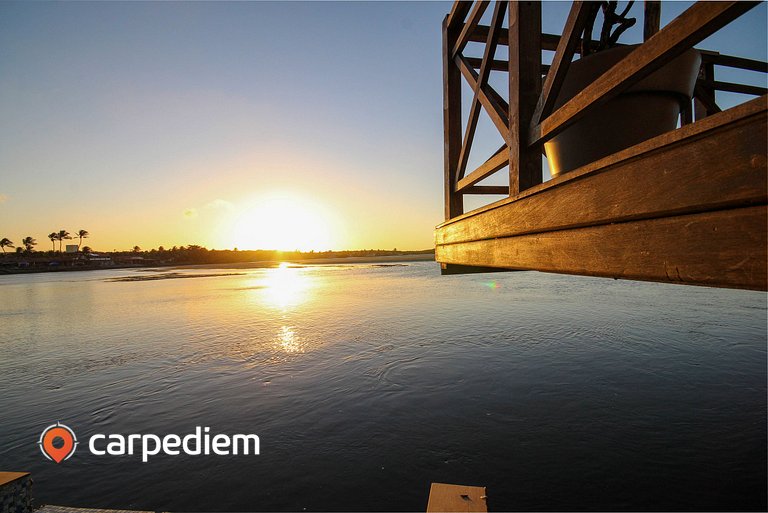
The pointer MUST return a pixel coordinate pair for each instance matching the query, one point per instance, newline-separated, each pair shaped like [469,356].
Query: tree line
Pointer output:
[29,243]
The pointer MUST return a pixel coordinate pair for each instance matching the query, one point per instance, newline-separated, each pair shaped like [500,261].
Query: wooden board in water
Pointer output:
[449,497]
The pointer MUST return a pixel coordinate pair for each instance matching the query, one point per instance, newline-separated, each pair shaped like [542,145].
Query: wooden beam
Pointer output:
[454,203]
[474,18]
[494,106]
[693,25]
[651,18]
[734,88]
[574,26]
[524,92]
[499,65]
[496,65]
[725,248]
[549,42]
[497,161]
[458,13]
[716,163]
[487,189]
[482,79]
[734,62]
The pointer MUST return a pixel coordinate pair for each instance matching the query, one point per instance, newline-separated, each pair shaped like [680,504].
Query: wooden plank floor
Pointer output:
[688,207]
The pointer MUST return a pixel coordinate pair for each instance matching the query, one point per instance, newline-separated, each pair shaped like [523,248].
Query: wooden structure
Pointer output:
[449,497]
[688,206]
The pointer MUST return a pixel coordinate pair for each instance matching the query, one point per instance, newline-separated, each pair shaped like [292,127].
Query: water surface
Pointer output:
[367,383]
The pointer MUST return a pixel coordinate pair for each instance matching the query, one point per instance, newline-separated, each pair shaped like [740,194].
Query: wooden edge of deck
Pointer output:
[450,497]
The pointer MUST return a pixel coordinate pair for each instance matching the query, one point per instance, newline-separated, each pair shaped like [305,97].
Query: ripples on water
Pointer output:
[367,383]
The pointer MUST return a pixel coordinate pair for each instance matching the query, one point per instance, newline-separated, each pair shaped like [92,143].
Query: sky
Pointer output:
[305,125]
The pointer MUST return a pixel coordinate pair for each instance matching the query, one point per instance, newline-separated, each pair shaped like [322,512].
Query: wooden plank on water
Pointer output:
[450,497]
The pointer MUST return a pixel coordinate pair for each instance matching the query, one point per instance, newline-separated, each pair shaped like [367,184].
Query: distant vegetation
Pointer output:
[194,254]
[26,257]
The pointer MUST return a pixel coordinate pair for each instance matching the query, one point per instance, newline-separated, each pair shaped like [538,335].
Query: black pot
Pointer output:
[649,108]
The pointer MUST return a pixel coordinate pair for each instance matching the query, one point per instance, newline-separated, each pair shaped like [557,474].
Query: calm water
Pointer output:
[367,383]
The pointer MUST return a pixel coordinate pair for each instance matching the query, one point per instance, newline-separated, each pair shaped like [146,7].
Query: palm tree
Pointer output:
[6,243]
[53,236]
[83,234]
[28,243]
[63,234]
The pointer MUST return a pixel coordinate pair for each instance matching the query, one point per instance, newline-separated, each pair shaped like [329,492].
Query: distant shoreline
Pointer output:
[311,261]
[416,257]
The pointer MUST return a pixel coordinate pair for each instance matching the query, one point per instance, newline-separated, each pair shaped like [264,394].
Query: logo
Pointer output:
[57,442]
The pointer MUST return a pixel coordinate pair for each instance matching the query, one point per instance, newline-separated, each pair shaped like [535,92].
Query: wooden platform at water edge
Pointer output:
[686,206]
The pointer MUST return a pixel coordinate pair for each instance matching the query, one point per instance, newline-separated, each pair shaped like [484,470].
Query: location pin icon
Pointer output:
[57,435]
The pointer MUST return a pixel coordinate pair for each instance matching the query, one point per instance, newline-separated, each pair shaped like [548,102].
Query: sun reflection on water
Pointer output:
[286,286]
[288,341]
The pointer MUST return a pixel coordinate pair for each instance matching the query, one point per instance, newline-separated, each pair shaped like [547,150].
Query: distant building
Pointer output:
[96,259]
[72,248]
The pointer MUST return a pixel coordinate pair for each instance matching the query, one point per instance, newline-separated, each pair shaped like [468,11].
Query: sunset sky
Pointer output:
[309,125]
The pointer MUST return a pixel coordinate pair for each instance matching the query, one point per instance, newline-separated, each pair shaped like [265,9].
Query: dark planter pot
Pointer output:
[647,109]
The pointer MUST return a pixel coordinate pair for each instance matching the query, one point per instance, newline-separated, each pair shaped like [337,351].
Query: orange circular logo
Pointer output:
[57,442]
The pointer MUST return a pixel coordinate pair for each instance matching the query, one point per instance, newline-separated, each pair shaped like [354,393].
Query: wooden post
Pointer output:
[454,202]
[705,94]
[524,91]
[651,18]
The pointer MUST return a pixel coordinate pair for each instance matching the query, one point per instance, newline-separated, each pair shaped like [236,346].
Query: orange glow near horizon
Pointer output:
[286,223]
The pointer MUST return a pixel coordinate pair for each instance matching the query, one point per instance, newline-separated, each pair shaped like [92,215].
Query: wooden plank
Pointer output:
[490,166]
[474,18]
[549,42]
[693,25]
[499,65]
[486,189]
[716,163]
[8,477]
[651,18]
[458,13]
[482,80]
[494,106]
[724,248]
[734,88]
[454,203]
[734,62]
[449,497]
[574,26]
[524,92]
[496,65]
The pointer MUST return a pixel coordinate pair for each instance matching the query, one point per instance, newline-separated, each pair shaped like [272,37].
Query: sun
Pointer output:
[285,223]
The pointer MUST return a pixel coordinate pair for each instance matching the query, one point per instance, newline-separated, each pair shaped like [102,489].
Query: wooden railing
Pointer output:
[529,118]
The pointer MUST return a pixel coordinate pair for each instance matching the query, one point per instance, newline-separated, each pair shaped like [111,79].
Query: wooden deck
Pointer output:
[686,207]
